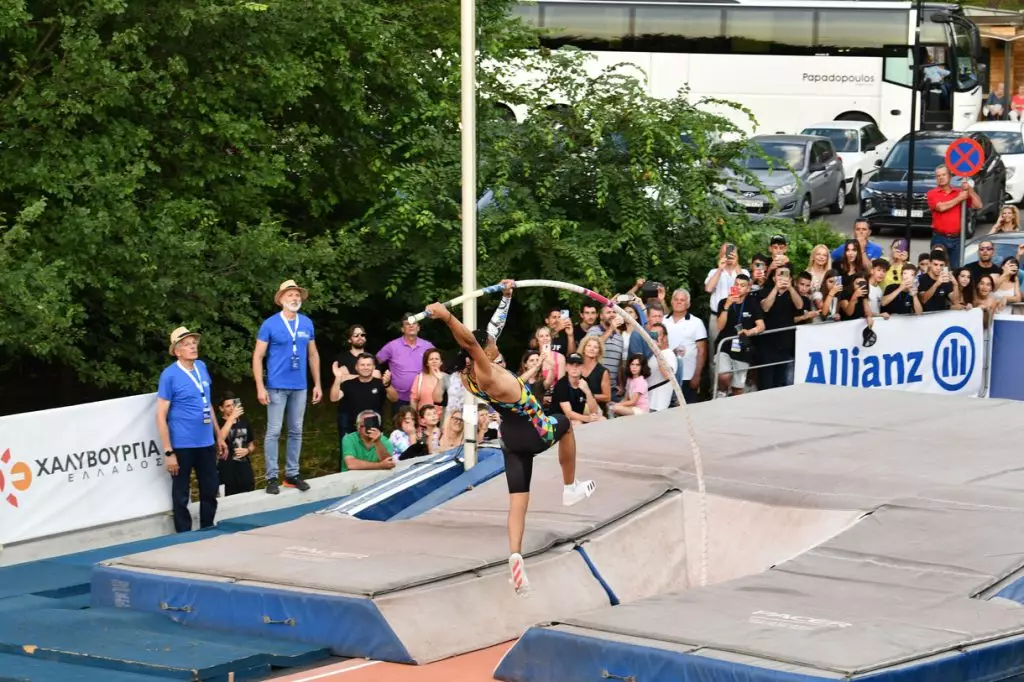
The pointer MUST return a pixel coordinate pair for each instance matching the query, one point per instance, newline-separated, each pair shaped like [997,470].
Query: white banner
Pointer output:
[933,353]
[76,467]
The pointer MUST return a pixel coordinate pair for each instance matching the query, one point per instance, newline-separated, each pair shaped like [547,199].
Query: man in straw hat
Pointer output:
[287,341]
[188,430]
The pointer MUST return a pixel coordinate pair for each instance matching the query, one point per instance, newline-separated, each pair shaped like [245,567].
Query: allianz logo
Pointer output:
[950,363]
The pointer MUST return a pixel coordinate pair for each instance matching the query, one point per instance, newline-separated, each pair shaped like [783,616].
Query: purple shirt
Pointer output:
[405,362]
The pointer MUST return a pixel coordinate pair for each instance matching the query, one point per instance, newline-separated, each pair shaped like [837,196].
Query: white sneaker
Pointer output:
[518,571]
[579,491]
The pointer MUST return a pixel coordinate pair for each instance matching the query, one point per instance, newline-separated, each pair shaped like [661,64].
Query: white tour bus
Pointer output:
[791,62]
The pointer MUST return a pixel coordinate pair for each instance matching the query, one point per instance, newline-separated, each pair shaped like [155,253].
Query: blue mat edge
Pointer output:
[317,619]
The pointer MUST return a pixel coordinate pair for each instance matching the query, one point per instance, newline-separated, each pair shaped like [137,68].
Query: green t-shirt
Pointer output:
[352,446]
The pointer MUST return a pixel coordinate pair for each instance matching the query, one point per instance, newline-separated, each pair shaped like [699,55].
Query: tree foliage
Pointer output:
[170,162]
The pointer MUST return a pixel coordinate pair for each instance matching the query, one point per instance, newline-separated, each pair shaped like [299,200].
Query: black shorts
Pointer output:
[520,443]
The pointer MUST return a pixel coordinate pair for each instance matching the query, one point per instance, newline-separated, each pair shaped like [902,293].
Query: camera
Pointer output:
[649,290]
[372,422]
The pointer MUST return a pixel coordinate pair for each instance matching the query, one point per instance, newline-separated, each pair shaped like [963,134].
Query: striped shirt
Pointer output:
[613,354]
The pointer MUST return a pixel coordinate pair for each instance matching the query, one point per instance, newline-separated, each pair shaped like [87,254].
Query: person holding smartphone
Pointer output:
[935,287]
[367,448]
[235,468]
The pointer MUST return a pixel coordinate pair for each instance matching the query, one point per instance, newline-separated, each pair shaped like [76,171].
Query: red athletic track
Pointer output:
[477,666]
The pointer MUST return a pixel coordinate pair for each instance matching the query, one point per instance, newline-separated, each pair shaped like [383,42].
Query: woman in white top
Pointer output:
[818,264]
[552,363]
[719,281]
[1008,284]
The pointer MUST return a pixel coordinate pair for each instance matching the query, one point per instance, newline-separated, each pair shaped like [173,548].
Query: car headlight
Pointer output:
[721,187]
[866,192]
[1009,173]
[786,189]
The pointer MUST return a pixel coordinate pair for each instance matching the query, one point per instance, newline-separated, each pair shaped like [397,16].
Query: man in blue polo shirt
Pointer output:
[287,341]
[188,430]
[871,250]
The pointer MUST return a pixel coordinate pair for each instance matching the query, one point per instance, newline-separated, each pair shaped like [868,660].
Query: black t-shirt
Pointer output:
[903,304]
[359,396]
[565,393]
[346,359]
[595,377]
[578,333]
[560,343]
[858,309]
[749,311]
[977,270]
[940,299]
[240,434]
[808,307]
[780,346]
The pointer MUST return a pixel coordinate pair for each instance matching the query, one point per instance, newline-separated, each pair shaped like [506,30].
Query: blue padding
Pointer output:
[350,626]
[597,574]
[490,463]
[1006,377]
[50,576]
[545,654]
[275,516]
[1014,591]
[400,498]
[29,669]
[548,654]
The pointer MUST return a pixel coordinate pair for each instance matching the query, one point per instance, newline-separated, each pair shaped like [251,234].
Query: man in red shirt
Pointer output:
[944,202]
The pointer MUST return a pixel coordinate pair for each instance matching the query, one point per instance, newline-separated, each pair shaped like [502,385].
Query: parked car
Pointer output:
[1008,139]
[859,144]
[883,199]
[1006,244]
[802,174]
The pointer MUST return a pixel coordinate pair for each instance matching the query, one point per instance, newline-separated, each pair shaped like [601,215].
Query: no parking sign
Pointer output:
[965,157]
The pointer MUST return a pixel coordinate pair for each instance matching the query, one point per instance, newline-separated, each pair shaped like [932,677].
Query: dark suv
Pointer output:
[883,200]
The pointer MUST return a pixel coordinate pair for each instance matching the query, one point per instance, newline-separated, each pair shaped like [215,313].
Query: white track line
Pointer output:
[337,672]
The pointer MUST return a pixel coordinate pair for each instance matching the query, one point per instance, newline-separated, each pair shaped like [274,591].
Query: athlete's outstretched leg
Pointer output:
[574,491]
[518,472]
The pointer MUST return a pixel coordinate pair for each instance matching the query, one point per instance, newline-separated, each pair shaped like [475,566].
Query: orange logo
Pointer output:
[20,476]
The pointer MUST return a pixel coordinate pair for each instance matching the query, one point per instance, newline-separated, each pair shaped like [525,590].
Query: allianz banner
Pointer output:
[76,467]
[932,353]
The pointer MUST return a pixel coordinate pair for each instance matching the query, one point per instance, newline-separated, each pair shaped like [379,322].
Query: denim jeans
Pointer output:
[952,245]
[291,404]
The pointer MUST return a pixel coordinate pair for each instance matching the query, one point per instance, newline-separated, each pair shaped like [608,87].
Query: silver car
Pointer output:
[802,175]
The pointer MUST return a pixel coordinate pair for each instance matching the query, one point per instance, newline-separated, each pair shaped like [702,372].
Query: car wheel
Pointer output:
[805,209]
[840,203]
[855,189]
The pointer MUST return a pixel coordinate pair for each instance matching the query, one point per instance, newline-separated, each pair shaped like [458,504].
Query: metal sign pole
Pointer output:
[963,233]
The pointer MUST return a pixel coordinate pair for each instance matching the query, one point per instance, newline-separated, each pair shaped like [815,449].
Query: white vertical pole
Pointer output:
[468,43]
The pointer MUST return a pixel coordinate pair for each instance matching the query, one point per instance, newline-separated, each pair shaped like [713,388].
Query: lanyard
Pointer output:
[197,379]
[292,332]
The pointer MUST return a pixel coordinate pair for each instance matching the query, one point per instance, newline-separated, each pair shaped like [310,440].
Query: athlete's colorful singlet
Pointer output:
[527,407]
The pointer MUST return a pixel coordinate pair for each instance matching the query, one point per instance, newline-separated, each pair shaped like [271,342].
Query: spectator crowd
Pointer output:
[404,399]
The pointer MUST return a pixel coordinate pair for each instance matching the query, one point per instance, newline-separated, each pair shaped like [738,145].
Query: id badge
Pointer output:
[295,362]
[206,415]
[736,346]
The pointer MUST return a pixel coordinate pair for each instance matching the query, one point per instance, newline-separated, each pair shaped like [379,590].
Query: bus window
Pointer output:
[588,27]
[896,70]
[858,30]
[770,31]
[964,64]
[530,14]
[678,29]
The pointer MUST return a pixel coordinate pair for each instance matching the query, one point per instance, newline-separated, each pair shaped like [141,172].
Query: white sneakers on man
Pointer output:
[577,492]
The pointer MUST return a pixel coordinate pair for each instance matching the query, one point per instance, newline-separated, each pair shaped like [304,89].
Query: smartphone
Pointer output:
[546,348]
[837,281]
[372,422]
[623,298]
[238,403]
[730,250]
[654,334]
[734,291]
[564,313]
